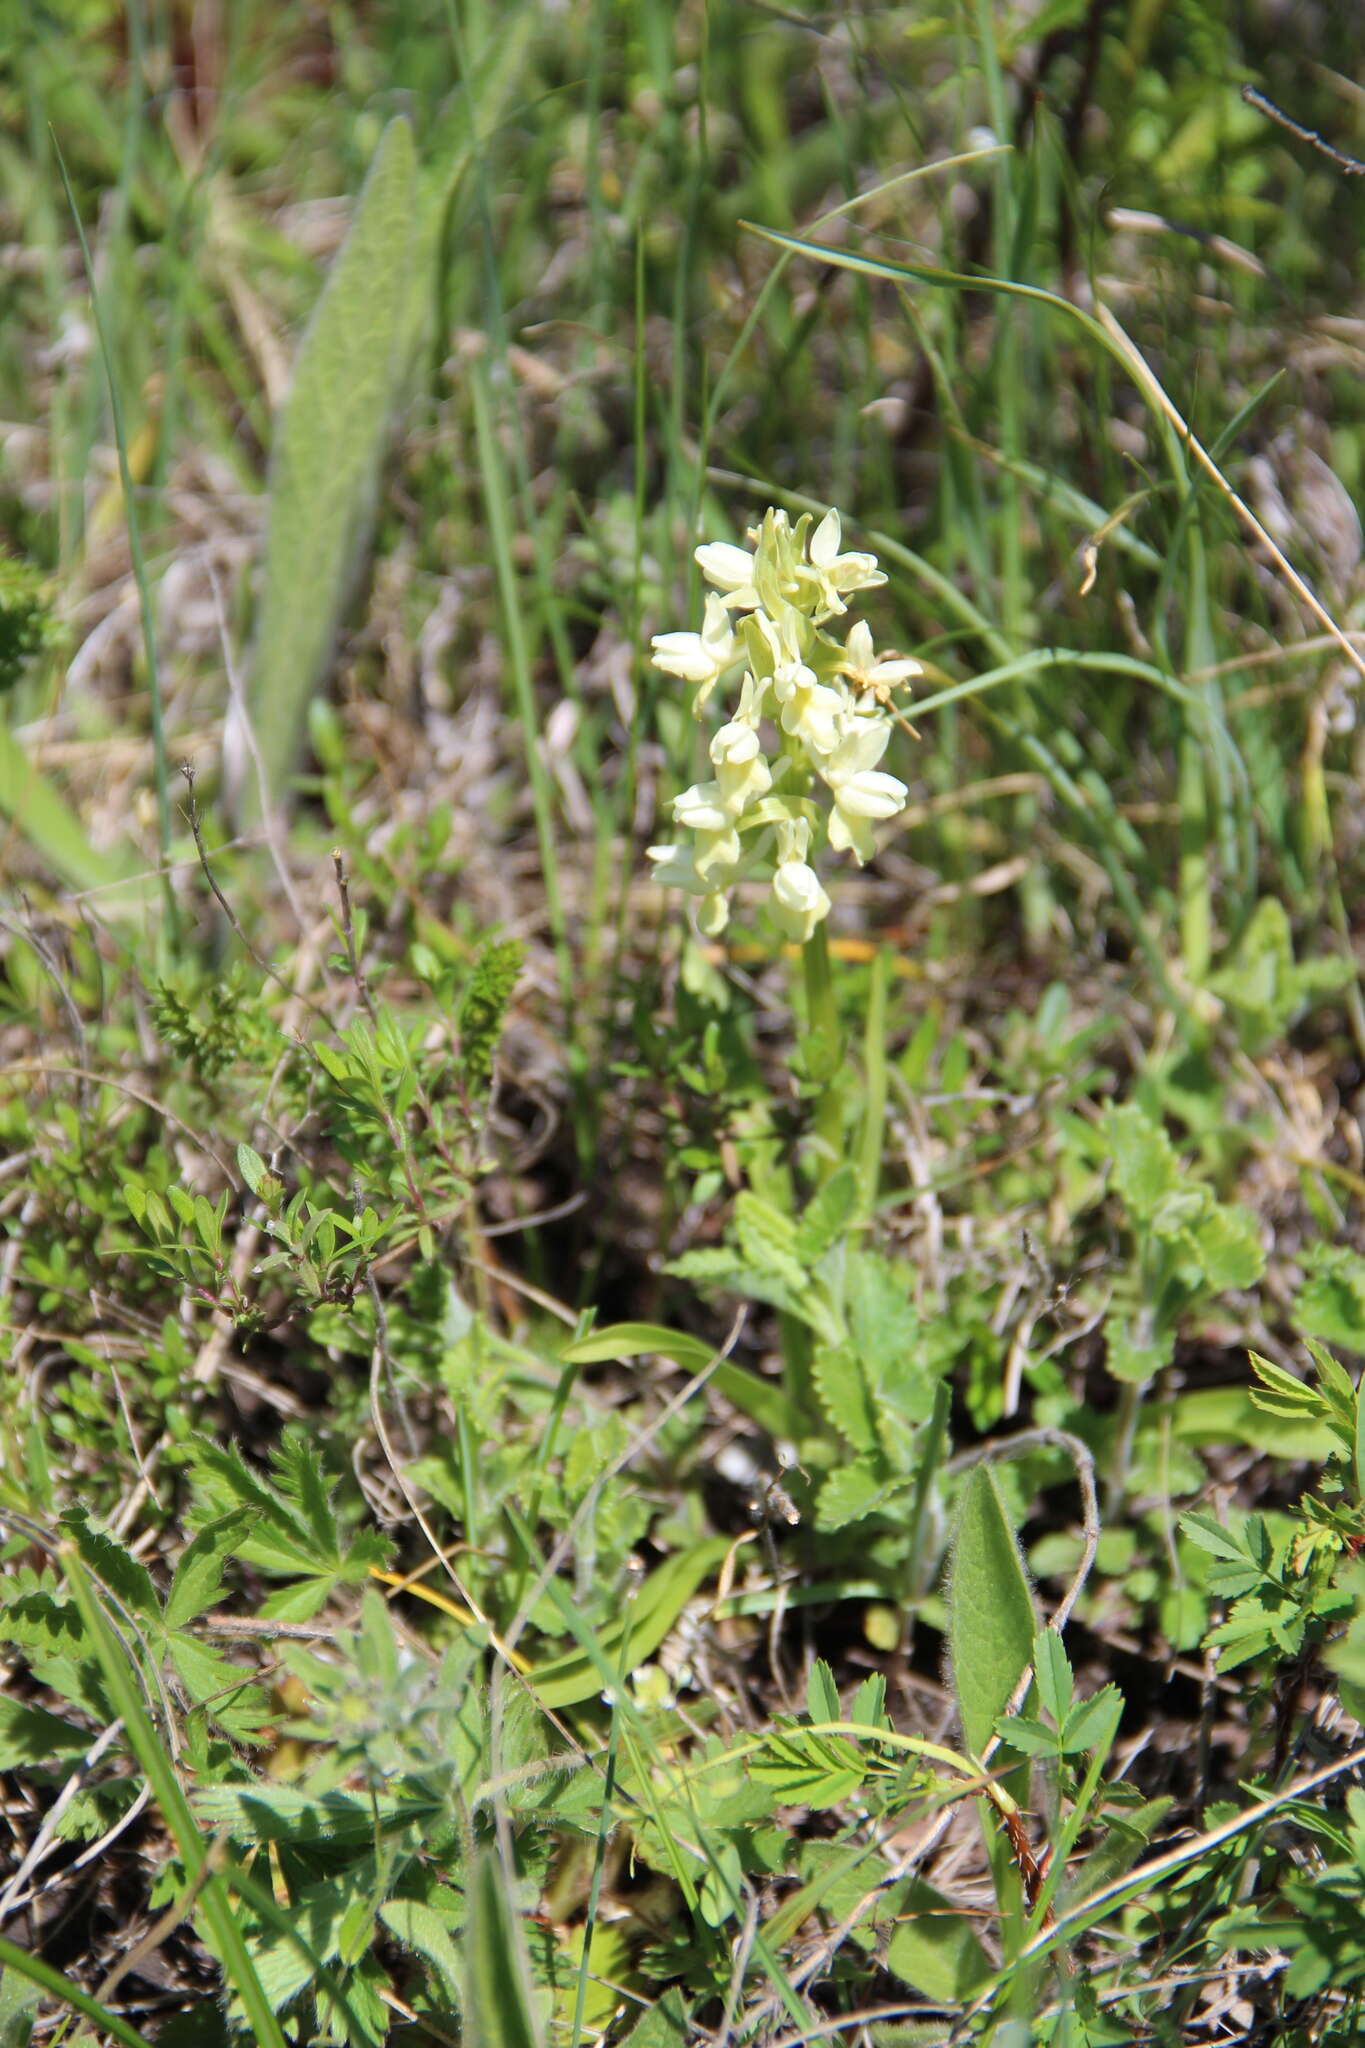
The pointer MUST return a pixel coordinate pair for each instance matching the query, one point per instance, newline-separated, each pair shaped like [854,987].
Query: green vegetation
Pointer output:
[766,1445]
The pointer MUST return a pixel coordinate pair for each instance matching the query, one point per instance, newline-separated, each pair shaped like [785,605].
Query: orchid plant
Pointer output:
[775,802]
[797,761]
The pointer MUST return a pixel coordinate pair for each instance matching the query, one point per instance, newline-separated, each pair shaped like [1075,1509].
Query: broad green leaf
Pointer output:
[328,447]
[761,1400]
[54,831]
[991,1622]
[19,1999]
[497,2003]
[563,1681]
[664,2024]
[264,1812]
[1134,1359]
[426,1932]
[934,1949]
[1331,1302]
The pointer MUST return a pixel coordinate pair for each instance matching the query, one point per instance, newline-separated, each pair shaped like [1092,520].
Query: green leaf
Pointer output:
[763,1401]
[991,1622]
[1230,1250]
[852,1491]
[846,1397]
[121,1574]
[934,1949]
[827,1216]
[802,1769]
[234,1701]
[54,831]
[664,2024]
[822,1694]
[30,1735]
[1145,1164]
[497,2003]
[328,446]
[252,1168]
[1331,1302]
[1052,1670]
[564,1681]
[768,1242]
[199,1574]
[425,1931]
[19,2000]
[1094,1723]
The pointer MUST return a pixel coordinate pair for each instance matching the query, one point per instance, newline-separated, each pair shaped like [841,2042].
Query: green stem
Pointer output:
[825,1054]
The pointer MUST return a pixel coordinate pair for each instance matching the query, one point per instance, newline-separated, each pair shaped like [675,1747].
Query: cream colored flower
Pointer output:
[838,575]
[798,901]
[861,792]
[731,571]
[871,673]
[699,657]
[742,772]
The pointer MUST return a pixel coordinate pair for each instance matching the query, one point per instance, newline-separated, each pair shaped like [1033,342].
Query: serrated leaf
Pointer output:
[801,1769]
[231,1696]
[1331,1302]
[827,1217]
[822,1694]
[842,1389]
[199,1574]
[1213,1537]
[30,1735]
[852,1491]
[767,1241]
[1145,1163]
[869,1702]
[1052,1670]
[991,1622]
[1228,1241]
[120,1573]
[1094,1723]
[1032,1737]
[328,446]
[1132,1359]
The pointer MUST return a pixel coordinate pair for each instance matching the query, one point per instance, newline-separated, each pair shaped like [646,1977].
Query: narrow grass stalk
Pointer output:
[159,1770]
[496,502]
[144,593]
